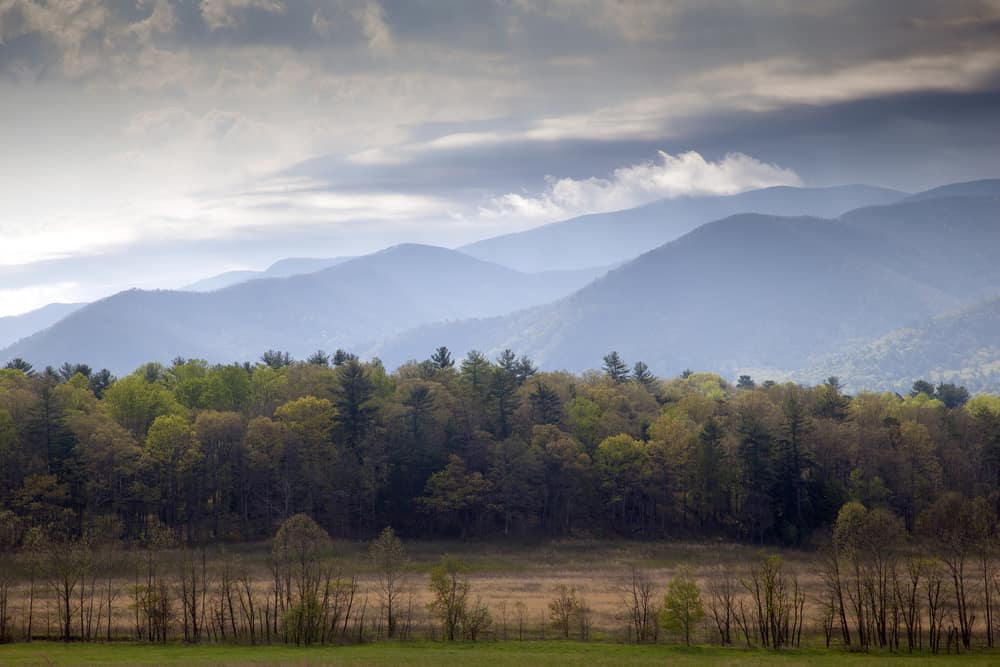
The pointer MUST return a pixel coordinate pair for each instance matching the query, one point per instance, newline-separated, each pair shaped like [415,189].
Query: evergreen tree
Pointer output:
[19,364]
[355,411]
[442,358]
[709,493]
[318,358]
[341,357]
[524,370]
[546,407]
[791,465]
[756,511]
[615,368]
[276,359]
[100,381]
[503,392]
[952,396]
[642,375]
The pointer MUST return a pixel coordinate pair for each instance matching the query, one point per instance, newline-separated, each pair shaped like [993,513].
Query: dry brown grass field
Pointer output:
[506,574]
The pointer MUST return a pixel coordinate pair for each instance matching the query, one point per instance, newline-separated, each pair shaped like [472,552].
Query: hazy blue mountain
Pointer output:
[756,292]
[16,327]
[961,347]
[221,280]
[362,299]
[989,187]
[749,290]
[612,238]
[283,268]
[950,242]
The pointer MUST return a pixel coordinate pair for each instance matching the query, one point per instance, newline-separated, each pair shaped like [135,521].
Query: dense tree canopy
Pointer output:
[475,447]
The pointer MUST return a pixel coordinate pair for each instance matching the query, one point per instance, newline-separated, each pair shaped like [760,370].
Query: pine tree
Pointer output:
[442,358]
[546,408]
[615,368]
[642,375]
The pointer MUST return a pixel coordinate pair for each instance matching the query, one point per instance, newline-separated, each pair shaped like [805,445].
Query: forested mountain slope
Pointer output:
[951,242]
[961,348]
[756,291]
[611,238]
[15,327]
[359,300]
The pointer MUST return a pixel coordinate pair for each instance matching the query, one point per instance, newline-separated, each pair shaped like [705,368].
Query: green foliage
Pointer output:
[615,368]
[682,608]
[229,452]
[449,587]
[135,403]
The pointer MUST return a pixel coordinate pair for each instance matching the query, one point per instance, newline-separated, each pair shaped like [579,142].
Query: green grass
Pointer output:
[463,655]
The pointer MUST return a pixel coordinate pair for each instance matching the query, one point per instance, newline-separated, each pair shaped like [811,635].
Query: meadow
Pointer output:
[517,581]
[433,654]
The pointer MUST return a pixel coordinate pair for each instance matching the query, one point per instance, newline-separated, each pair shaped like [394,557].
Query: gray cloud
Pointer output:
[169,120]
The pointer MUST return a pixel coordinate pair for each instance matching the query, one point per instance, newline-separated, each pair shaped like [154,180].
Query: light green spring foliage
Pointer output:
[984,403]
[682,608]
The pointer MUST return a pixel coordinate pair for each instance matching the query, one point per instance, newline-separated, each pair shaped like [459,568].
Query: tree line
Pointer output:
[475,448]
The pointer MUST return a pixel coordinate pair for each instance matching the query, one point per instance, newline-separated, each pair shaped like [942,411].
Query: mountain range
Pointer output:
[15,327]
[284,268]
[784,282]
[345,305]
[773,294]
[612,238]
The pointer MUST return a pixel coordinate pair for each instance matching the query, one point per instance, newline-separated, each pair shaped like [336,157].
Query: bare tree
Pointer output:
[389,557]
[641,608]
[564,610]
[722,589]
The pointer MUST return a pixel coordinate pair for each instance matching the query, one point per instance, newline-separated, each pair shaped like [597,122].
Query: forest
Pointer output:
[891,493]
[474,448]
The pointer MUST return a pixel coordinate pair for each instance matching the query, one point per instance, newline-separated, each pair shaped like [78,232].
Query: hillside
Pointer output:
[612,238]
[363,299]
[754,291]
[951,241]
[961,347]
[16,327]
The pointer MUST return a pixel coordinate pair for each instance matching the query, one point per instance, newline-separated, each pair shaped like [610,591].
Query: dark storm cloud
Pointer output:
[906,141]
[211,123]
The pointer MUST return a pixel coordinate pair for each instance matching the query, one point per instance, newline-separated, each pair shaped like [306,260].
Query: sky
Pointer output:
[151,143]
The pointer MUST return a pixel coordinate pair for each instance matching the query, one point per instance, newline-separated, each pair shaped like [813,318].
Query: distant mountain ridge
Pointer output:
[987,187]
[611,238]
[753,291]
[790,294]
[15,327]
[283,268]
[341,306]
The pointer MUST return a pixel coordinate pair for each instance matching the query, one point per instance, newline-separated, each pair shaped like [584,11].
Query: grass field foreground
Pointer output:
[460,654]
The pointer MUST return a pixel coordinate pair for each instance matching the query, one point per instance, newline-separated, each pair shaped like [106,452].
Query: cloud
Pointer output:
[75,27]
[218,14]
[772,82]
[672,176]
[371,16]
[23,299]
[633,20]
